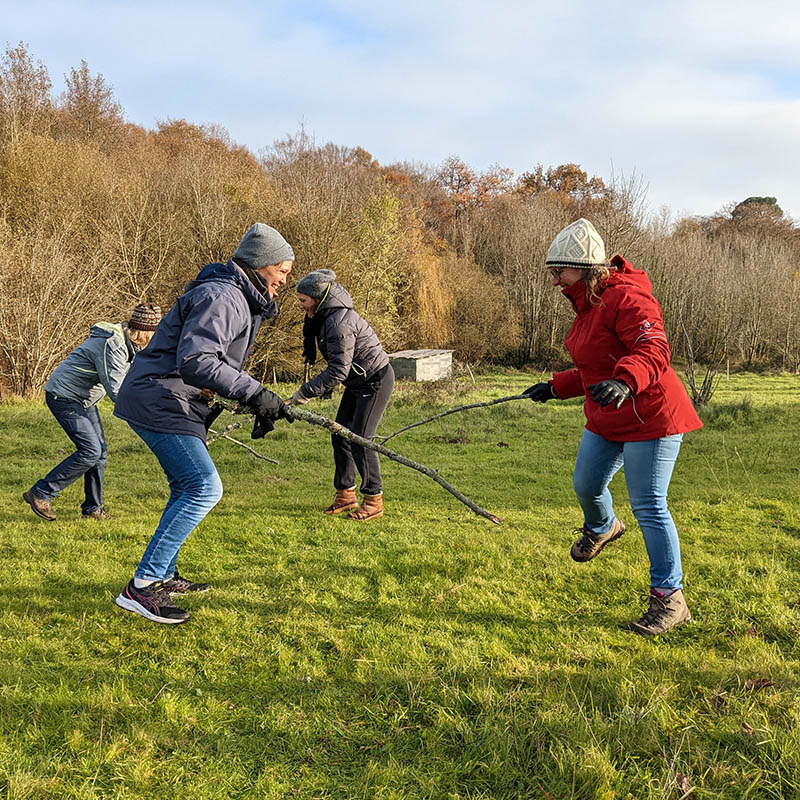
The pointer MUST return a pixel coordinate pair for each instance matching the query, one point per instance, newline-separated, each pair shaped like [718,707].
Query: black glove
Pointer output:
[540,392]
[262,426]
[266,404]
[610,391]
[268,408]
[214,411]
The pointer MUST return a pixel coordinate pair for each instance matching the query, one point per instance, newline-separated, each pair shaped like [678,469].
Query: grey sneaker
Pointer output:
[664,613]
[590,544]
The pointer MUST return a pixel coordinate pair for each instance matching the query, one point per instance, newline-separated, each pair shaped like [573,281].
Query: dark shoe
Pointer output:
[371,508]
[39,507]
[98,513]
[152,602]
[178,585]
[664,613]
[345,500]
[590,544]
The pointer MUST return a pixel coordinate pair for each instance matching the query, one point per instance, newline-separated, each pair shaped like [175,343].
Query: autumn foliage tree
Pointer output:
[98,214]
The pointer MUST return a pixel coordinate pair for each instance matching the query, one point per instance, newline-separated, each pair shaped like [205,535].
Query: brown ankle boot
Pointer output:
[590,544]
[39,506]
[344,501]
[371,508]
[664,613]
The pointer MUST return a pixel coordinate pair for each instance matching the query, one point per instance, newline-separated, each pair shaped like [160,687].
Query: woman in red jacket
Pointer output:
[636,407]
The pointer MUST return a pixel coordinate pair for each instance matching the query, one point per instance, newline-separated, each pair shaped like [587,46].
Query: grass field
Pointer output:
[429,654]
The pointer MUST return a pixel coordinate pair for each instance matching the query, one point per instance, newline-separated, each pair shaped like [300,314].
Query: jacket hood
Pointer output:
[623,274]
[218,272]
[337,297]
[104,330]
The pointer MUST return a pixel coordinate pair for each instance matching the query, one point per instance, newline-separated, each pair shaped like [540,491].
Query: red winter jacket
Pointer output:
[623,337]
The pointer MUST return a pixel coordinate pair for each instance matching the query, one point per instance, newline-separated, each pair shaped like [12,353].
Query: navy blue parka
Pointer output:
[201,343]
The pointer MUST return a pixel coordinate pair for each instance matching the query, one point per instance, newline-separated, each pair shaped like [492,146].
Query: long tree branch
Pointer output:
[339,430]
[453,411]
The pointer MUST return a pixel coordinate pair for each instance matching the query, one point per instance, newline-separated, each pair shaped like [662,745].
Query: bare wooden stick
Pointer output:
[453,411]
[295,412]
[334,427]
[232,427]
[247,447]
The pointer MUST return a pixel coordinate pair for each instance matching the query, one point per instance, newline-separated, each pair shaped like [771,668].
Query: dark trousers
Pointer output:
[361,410]
[84,428]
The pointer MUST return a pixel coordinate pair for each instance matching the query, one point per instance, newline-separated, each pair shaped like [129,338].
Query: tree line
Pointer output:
[98,214]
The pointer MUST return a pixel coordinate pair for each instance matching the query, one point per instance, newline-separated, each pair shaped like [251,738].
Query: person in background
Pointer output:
[636,407]
[199,349]
[96,367]
[357,360]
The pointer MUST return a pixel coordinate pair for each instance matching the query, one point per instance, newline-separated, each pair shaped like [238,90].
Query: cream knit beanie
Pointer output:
[579,245]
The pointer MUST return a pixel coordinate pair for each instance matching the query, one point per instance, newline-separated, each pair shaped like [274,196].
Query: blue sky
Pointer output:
[701,99]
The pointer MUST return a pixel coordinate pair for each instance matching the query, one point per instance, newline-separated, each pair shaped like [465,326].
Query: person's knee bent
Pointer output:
[586,485]
[216,489]
[204,487]
[212,489]
[91,454]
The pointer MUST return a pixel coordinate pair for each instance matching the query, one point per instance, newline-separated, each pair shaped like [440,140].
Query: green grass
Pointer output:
[429,654]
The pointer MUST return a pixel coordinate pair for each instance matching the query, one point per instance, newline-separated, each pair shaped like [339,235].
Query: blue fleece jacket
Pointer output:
[201,343]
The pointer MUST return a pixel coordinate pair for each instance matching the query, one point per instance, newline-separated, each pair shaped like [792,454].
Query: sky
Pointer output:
[697,99]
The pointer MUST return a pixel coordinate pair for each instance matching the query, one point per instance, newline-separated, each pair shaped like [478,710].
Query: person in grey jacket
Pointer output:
[199,349]
[357,360]
[95,368]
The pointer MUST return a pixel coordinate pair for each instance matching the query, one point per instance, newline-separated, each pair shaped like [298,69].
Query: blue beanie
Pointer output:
[262,246]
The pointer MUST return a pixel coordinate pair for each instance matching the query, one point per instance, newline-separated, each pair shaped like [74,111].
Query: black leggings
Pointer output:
[361,410]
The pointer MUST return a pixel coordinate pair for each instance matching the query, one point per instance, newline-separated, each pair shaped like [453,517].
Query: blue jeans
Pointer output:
[648,470]
[84,428]
[195,488]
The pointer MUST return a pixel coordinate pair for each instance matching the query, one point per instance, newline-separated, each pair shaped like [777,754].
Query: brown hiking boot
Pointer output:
[371,508]
[39,507]
[345,500]
[98,513]
[590,544]
[664,613]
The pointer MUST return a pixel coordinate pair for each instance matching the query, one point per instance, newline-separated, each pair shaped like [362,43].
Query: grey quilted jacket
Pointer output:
[347,342]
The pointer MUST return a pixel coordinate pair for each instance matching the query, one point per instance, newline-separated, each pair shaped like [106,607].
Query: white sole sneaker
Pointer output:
[131,605]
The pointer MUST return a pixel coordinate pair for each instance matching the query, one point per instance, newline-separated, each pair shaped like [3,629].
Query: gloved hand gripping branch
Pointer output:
[540,392]
[268,408]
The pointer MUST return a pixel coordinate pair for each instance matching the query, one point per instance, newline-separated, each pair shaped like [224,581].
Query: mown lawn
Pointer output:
[429,654]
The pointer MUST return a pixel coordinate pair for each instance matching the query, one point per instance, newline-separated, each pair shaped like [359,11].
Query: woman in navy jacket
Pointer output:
[199,348]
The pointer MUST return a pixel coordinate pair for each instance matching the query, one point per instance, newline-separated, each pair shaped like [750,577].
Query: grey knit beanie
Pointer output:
[262,246]
[315,284]
[579,245]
